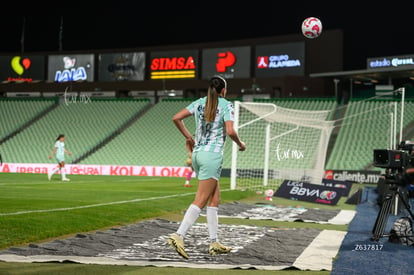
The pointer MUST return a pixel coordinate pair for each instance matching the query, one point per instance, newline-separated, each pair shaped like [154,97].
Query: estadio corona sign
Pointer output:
[175,64]
[391,62]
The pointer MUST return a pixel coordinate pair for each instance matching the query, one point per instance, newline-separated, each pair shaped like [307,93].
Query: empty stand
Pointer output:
[85,126]
[151,140]
[365,127]
[16,113]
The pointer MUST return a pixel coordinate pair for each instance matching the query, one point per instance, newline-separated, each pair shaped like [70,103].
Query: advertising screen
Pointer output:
[227,62]
[71,67]
[24,68]
[391,62]
[174,64]
[280,59]
[121,66]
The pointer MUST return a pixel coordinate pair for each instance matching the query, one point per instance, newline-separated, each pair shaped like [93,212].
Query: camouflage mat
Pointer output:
[145,244]
[260,211]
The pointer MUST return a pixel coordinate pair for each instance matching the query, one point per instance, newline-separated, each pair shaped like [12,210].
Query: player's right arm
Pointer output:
[53,152]
[178,121]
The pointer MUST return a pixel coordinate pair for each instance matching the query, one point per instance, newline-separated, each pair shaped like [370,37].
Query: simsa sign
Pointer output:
[280,59]
[76,67]
[175,64]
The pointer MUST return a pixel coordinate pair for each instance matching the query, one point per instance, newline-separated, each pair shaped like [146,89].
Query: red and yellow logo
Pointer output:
[173,67]
[19,65]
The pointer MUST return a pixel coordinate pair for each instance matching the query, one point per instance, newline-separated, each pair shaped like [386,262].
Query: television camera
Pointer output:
[393,184]
[395,162]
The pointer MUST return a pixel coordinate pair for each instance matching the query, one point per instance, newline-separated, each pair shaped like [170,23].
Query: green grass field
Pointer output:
[33,209]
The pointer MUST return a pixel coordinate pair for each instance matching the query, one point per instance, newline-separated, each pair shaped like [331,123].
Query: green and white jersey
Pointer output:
[60,149]
[211,136]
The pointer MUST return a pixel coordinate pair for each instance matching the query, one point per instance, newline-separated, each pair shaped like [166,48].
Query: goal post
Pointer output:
[282,143]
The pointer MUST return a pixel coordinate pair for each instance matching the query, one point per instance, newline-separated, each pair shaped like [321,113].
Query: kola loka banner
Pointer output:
[105,170]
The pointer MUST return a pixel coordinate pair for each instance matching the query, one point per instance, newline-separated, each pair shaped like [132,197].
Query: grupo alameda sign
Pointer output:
[280,59]
[391,62]
[277,61]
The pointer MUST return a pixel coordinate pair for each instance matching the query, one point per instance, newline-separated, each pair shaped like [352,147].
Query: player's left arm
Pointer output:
[229,125]
[67,152]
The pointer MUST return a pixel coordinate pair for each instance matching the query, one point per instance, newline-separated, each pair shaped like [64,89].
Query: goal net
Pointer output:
[369,124]
[282,143]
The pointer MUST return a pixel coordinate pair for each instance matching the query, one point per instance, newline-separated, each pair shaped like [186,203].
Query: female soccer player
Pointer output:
[60,151]
[214,122]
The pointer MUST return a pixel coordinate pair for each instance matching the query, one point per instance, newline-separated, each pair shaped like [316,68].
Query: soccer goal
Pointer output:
[282,143]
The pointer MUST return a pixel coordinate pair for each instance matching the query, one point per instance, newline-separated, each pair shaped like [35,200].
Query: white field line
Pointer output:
[97,205]
[89,181]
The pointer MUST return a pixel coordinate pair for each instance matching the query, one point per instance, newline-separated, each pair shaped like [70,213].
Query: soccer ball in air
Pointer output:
[311,27]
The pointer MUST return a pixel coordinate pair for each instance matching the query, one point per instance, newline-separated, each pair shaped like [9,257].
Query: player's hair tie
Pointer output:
[218,83]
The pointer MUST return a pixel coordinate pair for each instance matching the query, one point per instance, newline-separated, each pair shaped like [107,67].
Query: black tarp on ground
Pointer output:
[263,211]
[145,243]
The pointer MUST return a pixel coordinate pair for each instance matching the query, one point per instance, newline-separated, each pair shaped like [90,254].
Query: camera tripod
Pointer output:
[390,196]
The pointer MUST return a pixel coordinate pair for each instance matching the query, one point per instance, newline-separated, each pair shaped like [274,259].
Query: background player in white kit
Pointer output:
[59,149]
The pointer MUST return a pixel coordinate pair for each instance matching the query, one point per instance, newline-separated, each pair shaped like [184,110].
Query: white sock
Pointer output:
[55,170]
[212,222]
[189,219]
[63,173]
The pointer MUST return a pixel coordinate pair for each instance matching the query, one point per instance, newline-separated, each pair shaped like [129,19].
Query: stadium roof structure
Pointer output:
[369,74]
[348,83]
